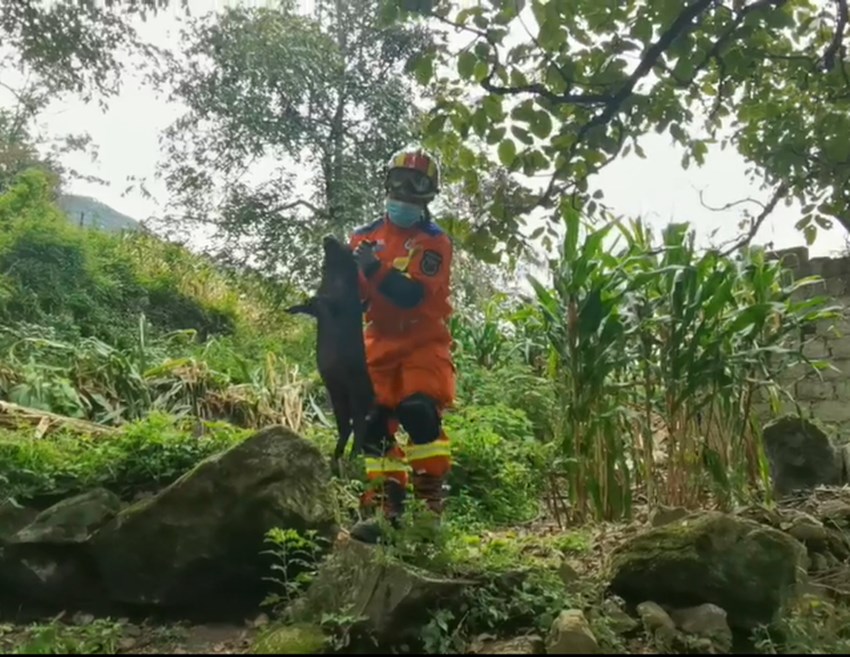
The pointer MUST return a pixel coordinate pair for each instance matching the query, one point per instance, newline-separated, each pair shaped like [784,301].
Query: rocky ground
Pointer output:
[757,580]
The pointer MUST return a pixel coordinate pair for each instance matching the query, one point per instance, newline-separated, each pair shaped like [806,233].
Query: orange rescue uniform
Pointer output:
[408,351]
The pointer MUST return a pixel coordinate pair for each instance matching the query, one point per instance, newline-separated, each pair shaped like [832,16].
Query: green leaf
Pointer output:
[480,122]
[493,106]
[496,135]
[466,157]
[507,151]
[466,62]
[424,69]
[523,135]
[810,233]
[541,125]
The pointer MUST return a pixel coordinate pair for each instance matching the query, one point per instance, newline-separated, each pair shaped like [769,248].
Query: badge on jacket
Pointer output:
[430,264]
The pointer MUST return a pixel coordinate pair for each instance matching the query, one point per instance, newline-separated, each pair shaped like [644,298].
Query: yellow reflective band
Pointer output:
[420,452]
[378,465]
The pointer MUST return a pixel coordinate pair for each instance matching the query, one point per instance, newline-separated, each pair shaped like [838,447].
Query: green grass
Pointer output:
[145,455]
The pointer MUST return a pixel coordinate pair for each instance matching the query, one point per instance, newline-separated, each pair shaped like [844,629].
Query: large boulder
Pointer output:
[800,455]
[750,570]
[392,600]
[200,541]
[14,516]
[47,561]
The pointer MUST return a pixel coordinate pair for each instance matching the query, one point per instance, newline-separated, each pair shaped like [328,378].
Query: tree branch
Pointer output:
[295,204]
[834,48]
[729,205]
[685,22]
[767,210]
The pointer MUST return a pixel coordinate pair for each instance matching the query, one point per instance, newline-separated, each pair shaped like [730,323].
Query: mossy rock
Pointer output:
[47,561]
[298,639]
[751,571]
[200,541]
[72,520]
[14,517]
[387,600]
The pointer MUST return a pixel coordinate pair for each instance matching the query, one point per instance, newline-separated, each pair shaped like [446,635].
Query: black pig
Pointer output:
[341,351]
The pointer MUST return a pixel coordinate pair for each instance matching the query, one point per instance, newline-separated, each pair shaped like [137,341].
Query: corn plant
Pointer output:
[587,336]
[664,343]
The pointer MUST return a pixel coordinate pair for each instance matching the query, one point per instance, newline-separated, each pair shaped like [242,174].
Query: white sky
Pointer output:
[657,188]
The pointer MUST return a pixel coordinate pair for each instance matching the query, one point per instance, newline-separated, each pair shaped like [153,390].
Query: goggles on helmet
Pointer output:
[409,182]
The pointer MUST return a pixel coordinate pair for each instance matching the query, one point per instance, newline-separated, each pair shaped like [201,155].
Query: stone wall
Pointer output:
[825,397]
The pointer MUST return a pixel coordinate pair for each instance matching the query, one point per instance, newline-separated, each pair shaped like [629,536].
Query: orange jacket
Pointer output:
[423,254]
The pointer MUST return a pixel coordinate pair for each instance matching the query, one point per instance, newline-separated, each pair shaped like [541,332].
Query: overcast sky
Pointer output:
[656,188]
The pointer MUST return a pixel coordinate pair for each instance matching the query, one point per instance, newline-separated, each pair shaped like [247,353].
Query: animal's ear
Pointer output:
[307,308]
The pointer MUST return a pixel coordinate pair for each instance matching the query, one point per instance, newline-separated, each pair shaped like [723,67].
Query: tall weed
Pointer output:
[663,337]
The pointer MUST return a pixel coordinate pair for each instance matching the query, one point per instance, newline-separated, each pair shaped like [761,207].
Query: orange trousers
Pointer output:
[425,371]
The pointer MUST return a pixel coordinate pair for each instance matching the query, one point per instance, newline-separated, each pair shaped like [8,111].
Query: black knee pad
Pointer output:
[377,439]
[419,416]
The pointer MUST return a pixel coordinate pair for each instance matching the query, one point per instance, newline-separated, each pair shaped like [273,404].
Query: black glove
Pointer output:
[367,261]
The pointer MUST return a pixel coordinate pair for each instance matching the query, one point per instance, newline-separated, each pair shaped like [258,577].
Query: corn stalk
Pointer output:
[665,334]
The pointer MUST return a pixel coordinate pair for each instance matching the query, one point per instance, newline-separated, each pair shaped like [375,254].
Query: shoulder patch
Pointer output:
[369,228]
[431,262]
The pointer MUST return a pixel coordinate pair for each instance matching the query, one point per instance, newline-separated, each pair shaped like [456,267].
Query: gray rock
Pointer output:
[201,540]
[664,515]
[14,517]
[658,624]
[751,571]
[71,521]
[617,618]
[801,456]
[392,600]
[571,635]
[807,529]
[707,621]
[654,617]
[47,561]
[819,562]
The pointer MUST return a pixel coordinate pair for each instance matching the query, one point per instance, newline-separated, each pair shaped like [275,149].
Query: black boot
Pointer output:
[371,530]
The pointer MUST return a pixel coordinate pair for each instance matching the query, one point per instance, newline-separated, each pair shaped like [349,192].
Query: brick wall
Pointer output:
[826,398]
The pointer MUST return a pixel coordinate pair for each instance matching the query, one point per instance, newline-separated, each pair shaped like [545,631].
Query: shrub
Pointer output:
[495,477]
[147,454]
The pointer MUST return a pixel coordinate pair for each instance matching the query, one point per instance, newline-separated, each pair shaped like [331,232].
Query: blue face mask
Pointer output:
[403,215]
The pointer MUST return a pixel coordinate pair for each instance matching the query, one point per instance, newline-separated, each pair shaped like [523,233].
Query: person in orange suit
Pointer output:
[405,263]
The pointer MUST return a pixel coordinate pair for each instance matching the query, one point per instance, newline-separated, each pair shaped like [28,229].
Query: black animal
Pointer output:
[341,350]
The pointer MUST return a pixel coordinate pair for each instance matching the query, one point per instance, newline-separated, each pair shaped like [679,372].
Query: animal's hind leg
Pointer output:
[371,430]
[341,405]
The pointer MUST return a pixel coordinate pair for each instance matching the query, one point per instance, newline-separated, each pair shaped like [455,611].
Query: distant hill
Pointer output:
[95,214]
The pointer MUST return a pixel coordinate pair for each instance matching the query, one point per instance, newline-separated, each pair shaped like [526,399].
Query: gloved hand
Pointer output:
[366,259]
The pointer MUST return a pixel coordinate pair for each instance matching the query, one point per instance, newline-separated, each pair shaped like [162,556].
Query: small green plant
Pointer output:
[438,637]
[495,478]
[419,539]
[338,628]
[102,636]
[814,627]
[296,558]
